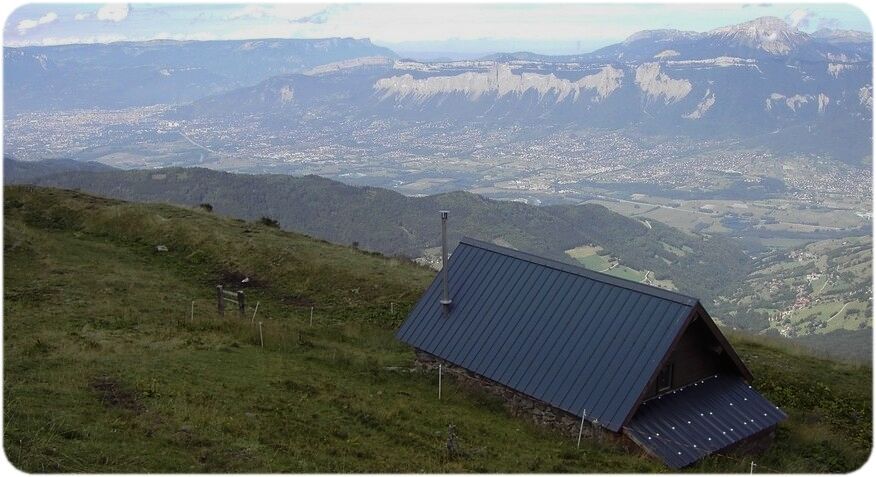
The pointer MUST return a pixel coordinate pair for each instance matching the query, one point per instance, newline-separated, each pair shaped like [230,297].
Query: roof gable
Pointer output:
[698,312]
[575,339]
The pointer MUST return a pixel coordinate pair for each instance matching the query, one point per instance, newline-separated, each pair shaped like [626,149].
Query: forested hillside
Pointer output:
[391,223]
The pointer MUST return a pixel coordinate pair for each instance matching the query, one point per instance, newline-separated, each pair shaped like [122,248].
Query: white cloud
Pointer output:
[113,12]
[427,22]
[800,18]
[289,12]
[249,11]
[81,16]
[25,25]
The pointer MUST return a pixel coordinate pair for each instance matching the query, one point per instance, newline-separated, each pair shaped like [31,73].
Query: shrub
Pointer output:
[267,221]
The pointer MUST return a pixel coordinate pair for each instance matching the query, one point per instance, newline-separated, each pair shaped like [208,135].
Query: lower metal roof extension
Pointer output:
[708,416]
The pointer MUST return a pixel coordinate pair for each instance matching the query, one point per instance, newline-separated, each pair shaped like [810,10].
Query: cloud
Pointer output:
[317,18]
[249,11]
[295,13]
[25,25]
[113,12]
[81,16]
[800,18]
[808,20]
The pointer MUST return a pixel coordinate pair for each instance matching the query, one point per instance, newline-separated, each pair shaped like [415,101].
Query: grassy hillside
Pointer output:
[393,224]
[106,371]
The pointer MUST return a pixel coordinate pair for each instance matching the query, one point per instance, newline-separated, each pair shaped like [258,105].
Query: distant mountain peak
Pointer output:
[770,34]
[763,26]
[661,35]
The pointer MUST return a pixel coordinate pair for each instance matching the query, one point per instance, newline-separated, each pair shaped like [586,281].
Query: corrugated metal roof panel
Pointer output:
[685,425]
[576,339]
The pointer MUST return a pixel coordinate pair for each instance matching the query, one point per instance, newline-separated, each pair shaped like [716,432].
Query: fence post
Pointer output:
[241,304]
[254,312]
[221,300]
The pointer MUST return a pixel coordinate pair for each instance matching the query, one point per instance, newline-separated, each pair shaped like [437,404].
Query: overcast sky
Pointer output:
[552,29]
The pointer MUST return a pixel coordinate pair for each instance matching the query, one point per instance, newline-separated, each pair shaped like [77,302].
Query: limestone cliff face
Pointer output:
[500,80]
[658,85]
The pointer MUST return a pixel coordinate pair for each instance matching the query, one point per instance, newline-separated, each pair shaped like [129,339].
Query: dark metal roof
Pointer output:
[685,425]
[573,338]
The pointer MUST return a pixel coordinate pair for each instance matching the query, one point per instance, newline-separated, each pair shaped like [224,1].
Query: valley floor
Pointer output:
[108,369]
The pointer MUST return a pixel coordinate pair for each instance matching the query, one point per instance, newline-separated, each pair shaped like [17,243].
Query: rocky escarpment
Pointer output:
[500,81]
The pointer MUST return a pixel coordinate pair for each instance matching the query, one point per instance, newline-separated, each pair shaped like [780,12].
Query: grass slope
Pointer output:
[106,372]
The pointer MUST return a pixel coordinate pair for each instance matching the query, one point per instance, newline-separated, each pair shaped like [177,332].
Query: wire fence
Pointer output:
[395,308]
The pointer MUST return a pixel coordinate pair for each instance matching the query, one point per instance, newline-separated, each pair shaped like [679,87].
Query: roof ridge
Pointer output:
[583,272]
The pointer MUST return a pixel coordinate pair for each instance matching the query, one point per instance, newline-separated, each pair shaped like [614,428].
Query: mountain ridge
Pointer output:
[379,220]
[41,78]
[391,223]
[790,104]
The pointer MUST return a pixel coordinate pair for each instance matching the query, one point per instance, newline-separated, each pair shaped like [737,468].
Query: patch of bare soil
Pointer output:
[115,395]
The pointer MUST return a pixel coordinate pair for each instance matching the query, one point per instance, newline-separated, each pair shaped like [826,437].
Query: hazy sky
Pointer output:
[563,28]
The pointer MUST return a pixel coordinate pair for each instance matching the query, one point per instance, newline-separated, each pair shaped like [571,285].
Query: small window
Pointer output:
[664,379]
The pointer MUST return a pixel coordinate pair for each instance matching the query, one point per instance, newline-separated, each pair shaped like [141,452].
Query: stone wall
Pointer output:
[517,404]
[544,414]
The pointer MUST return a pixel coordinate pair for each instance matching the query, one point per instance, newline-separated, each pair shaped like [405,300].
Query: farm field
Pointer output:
[108,369]
[594,258]
[720,216]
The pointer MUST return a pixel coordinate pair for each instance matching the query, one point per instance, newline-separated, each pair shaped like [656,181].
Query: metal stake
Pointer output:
[221,300]
[439,382]
[261,338]
[254,312]
[581,430]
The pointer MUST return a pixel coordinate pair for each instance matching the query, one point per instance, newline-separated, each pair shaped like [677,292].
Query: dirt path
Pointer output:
[837,313]
[823,286]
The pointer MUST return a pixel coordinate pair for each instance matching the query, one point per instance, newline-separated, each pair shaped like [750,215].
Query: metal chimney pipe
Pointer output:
[446,300]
